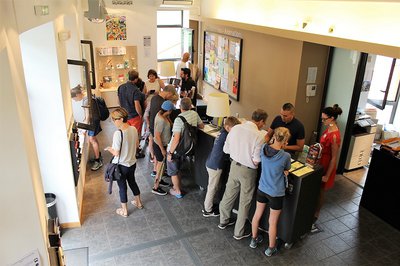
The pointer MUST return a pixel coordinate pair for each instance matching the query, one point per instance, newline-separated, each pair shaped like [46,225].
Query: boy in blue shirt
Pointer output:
[214,164]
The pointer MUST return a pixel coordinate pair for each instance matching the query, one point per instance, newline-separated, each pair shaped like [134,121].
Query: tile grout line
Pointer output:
[178,229]
[150,244]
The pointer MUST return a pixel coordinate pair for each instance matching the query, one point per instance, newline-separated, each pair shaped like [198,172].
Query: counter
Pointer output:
[299,206]
[381,191]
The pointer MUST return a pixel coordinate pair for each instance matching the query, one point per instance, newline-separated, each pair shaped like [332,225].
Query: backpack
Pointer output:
[188,140]
[102,108]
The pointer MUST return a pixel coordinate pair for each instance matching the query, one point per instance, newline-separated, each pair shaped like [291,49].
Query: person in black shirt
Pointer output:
[296,129]
[187,84]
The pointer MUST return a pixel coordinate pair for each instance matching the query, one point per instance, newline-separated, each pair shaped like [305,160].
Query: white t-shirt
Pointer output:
[178,68]
[128,153]
[153,86]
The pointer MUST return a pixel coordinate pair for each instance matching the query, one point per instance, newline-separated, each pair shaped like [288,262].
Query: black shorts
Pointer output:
[157,152]
[275,203]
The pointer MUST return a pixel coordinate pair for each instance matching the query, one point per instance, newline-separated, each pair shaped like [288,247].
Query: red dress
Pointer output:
[326,141]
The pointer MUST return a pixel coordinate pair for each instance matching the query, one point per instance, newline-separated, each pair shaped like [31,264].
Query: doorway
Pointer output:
[376,114]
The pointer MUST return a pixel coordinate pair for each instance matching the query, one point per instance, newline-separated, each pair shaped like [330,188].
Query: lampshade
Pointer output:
[166,68]
[218,105]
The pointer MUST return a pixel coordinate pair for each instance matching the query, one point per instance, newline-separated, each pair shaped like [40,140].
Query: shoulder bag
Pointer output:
[113,172]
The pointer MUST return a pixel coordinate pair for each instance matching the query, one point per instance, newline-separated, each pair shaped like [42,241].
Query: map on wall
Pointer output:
[222,56]
[115,27]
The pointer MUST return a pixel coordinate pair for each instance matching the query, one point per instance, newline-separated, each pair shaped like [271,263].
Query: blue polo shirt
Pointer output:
[217,157]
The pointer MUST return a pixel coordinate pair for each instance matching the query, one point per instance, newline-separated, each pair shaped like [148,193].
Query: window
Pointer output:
[172,36]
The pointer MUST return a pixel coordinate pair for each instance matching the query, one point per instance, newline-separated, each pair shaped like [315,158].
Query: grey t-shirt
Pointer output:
[164,127]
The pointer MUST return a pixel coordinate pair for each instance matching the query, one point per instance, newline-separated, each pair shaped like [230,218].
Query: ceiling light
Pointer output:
[97,11]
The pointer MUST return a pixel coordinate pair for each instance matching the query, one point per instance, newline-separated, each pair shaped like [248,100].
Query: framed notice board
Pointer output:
[222,62]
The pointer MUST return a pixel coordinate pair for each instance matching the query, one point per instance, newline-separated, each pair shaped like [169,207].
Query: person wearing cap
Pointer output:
[187,84]
[162,136]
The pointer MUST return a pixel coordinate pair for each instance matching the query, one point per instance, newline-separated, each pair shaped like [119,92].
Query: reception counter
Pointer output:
[381,194]
[299,205]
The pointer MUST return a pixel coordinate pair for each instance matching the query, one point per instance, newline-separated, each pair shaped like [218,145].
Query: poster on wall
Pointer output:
[115,28]
[222,62]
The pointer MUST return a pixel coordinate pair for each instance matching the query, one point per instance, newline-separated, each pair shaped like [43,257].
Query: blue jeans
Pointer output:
[128,175]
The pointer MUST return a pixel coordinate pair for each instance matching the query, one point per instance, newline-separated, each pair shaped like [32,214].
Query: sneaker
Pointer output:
[97,165]
[174,193]
[213,213]
[158,191]
[314,228]
[255,241]
[242,236]
[153,173]
[164,184]
[270,251]
[225,225]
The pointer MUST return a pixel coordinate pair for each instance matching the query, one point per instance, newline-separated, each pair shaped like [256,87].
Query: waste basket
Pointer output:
[51,201]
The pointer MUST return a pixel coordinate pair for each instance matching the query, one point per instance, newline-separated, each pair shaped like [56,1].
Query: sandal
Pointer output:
[121,212]
[134,203]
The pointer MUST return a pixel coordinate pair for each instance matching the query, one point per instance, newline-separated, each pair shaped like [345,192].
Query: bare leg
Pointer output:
[177,183]
[138,200]
[95,146]
[273,225]
[124,210]
[151,151]
[158,175]
[256,218]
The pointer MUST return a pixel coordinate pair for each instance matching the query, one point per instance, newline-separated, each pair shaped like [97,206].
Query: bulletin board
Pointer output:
[222,62]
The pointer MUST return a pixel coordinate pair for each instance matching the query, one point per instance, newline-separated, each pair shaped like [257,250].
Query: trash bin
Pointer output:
[51,205]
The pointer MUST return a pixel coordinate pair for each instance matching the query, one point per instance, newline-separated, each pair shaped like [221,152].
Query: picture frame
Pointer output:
[222,62]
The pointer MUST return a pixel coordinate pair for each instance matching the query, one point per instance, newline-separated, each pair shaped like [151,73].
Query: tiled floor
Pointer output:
[169,231]
[358,176]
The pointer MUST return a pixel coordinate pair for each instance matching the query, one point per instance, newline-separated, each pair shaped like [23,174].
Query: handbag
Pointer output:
[113,172]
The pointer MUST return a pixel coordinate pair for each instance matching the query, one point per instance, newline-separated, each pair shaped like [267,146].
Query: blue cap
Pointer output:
[168,106]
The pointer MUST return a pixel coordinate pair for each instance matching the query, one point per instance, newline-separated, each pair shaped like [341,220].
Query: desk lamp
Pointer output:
[166,69]
[218,106]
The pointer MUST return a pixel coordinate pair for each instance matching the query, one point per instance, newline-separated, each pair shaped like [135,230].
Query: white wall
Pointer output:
[42,74]
[23,222]
[141,21]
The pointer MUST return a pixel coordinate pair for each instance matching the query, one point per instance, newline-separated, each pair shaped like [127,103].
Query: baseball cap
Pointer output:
[168,106]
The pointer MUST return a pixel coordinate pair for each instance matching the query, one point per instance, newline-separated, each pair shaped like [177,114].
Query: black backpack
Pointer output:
[188,140]
[102,108]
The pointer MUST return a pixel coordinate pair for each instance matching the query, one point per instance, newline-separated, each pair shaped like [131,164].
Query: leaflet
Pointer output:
[302,171]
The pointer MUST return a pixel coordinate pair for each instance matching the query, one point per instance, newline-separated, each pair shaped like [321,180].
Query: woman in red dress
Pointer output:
[330,142]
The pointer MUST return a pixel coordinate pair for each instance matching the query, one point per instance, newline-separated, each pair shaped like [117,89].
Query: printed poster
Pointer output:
[115,28]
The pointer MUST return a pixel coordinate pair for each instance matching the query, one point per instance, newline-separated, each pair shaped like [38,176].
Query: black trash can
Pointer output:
[51,201]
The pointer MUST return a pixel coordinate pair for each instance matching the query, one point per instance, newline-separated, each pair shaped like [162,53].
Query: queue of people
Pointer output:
[245,145]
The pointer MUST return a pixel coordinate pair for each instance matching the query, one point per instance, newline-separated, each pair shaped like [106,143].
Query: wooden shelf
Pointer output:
[112,69]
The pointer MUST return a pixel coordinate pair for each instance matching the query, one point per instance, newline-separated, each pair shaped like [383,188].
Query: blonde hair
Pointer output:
[281,134]
[120,113]
[231,121]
